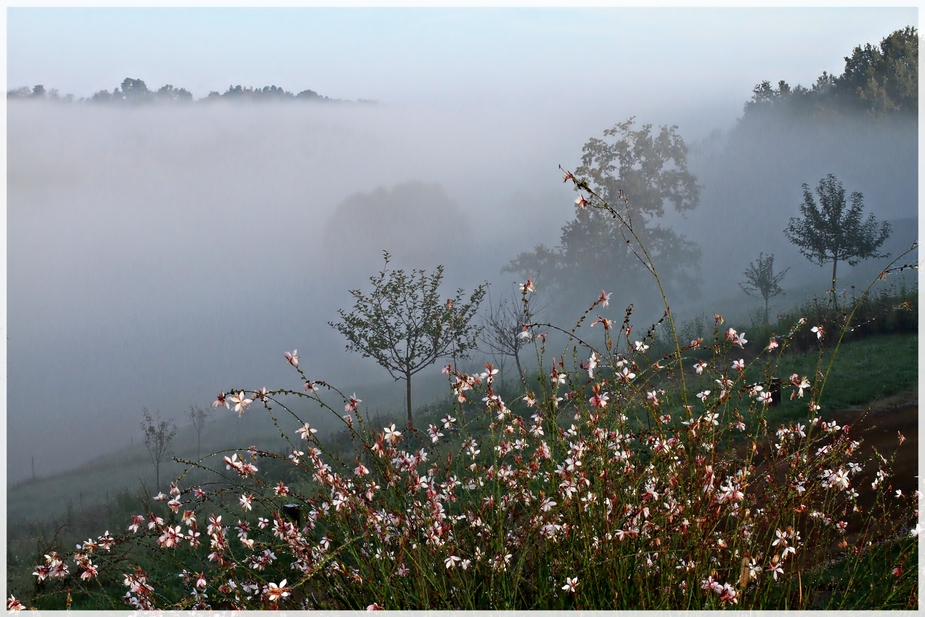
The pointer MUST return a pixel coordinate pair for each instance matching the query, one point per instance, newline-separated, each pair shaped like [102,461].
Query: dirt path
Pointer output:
[880,427]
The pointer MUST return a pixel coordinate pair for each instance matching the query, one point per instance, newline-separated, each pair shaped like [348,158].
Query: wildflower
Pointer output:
[434,433]
[374,607]
[310,387]
[218,402]
[276,592]
[137,520]
[703,395]
[775,567]
[571,584]
[306,431]
[528,286]
[598,401]
[915,531]
[765,398]
[626,375]
[640,346]
[591,365]
[391,435]
[12,604]
[281,489]
[653,397]
[738,365]
[352,404]
[728,594]
[292,358]
[448,421]
[699,366]
[818,331]
[451,561]
[240,403]
[695,344]
[581,202]
[607,323]
[568,176]
[170,538]
[897,571]
[773,344]
[604,299]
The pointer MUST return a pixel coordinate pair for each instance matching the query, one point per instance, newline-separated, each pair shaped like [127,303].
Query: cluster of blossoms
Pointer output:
[609,473]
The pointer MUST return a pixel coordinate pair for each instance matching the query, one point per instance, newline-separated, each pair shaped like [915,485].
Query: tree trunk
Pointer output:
[834,295]
[408,398]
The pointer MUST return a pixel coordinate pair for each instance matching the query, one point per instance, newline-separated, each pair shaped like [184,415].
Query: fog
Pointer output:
[157,256]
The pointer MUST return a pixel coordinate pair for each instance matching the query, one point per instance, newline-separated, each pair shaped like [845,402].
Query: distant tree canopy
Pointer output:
[877,81]
[134,91]
[637,170]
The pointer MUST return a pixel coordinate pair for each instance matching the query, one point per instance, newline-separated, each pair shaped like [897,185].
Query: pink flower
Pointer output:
[240,403]
[277,592]
[292,358]
[306,431]
[581,202]
[604,299]
[738,365]
[352,404]
[391,435]
[528,286]
[220,401]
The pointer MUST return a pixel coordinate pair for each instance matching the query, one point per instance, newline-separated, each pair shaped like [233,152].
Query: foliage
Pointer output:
[760,279]
[134,91]
[405,325]
[158,435]
[878,82]
[640,170]
[831,231]
[883,80]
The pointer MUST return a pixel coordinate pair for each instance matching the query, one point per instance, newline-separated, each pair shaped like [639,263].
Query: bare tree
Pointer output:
[763,281]
[504,327]
[158,435]
[198,417]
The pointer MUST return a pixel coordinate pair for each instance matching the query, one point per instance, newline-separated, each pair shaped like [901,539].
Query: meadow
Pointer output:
[643,468]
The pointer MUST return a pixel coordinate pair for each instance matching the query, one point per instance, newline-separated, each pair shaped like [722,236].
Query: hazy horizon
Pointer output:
[156,256]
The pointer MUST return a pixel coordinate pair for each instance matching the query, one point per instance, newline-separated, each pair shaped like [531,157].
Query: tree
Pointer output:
[198,417]
[638,171]
[883,80]
[406,326]
[503,328]
[135,91]
[833,231]
[158,435]
[761,280]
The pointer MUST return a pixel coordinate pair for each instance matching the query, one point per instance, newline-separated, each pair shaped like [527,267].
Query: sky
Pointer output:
[439,57]
[133,249]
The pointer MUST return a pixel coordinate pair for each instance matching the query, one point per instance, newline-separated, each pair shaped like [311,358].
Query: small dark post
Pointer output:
[291,510]
[775,390]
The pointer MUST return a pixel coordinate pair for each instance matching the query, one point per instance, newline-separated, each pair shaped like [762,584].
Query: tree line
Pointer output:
[133,91]
[879,81]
